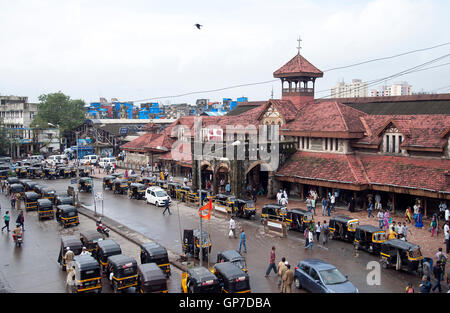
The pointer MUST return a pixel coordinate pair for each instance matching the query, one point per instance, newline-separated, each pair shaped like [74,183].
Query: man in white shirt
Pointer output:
[233,227]
[447,236]
[332,201]
[279,194]
[447,215]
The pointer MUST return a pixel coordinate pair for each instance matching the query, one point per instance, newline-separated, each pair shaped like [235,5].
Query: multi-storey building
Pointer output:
[357,88]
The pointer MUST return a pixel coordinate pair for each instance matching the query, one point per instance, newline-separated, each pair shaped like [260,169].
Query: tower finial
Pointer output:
[299,46]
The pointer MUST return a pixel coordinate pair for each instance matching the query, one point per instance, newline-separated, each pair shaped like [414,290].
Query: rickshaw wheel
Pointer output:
[384,265]
[115,288]
[99,290]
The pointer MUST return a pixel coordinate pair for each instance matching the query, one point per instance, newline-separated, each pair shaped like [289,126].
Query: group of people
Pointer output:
[283,270]
[15,205]
[242,238]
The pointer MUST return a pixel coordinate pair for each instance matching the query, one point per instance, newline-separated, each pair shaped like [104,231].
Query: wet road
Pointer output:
[34,268]
[167,230]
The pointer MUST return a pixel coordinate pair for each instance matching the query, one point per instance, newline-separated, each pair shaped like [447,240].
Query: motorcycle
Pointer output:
[18,240]
[102,229]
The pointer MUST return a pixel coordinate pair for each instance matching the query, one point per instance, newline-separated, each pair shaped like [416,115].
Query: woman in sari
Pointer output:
[419,223]
[408,215]
[386,219]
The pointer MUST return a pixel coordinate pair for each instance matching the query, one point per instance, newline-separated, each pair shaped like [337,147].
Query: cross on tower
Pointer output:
[299,46]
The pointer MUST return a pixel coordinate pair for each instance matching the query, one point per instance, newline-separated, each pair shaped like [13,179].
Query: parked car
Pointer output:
[91,159]
[157,196]
[321,277]
[105,161]
[56,159]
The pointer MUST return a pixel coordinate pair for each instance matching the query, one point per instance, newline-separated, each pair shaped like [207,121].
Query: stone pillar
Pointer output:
[195,165]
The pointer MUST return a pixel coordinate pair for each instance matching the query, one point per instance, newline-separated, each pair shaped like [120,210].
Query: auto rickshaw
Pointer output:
[34,172]
[199,280]
[87,274]
[29,186]
[83,171]
[4,173]
[85,184]
[21,171]
[48,193]
[73,243]
[244,208]
[60,172]
[231,278]
[182,193]
[73,171]
[49,173]
[104,249]
[118,175]
[45,209]
[152,252]
[67,172]
[89,238]
[401,255]
[161,183]
[151,279]
[24,181]
[273,212]
[224,203]
[12,180]
[343,228]
[67,215]
[31,200]
[63,199]
[39,189]
[135,178]
[120,185]
[17,189]
[233,257]
[191,243]
[149,181]
[172,189]
[124,272]
[299,220]
[369,238]
[136,191]
[108,182]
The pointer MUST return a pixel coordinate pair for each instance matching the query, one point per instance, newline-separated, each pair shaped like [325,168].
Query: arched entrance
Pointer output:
[257,176]
[206,173]
[222,173]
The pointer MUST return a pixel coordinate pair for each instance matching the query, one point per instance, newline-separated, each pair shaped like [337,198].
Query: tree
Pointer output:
[4,142]
[59,109]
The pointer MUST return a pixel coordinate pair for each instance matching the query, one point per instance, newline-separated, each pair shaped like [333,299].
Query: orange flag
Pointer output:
[206,215]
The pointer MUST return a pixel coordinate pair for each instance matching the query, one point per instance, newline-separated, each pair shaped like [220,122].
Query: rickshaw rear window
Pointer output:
[241,285]
[128,271]
[415,253]
[71,214]
[90,274]
[250,204]
[240,263]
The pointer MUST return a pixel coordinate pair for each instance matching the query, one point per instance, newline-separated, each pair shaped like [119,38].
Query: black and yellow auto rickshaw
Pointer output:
[4,174]
[12,180]
[343,228]
[48,193]
[39,189]
[29,186]
[108,182]
[199,280]
[149,181]
[21,171]
[71,242]
[233,257]
[192,243]
[49,173]
[31,201]
[134,178]
[104,249]
[231,278]
[18,189]
[88,277]
[63,199]
[183,192]
[67,215]
[244,208]
[89,238]
[369,238]
[299,219]
[83,171]
[136,191]
[73,171]
[172,189]
[401,255]
[124,272]
[273,212]
[85,184]
[23,181]
[35,172]
[120,185]
[118,175]
[60,172]
[224,203]
[67,172]
[152,252]
[45,209]
[161,183]
[151,279]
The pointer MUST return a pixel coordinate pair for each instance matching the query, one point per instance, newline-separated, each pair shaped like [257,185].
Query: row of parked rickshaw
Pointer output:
[35,170]
[394,253]
[44,200]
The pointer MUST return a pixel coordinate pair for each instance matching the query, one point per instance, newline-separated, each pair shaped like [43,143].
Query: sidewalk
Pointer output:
[422,237]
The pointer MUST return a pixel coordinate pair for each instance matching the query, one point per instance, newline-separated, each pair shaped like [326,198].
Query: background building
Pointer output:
[396,89]
[357,88]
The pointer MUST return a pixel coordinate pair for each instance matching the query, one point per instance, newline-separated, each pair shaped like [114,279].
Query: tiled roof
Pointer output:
[180,152]
[138,143]
[159,142]
[298,66]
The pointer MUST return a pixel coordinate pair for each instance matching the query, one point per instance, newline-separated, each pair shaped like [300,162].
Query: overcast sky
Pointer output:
[133,50]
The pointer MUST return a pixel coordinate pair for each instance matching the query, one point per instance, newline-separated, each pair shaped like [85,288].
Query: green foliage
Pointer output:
[4,143]
[59,109]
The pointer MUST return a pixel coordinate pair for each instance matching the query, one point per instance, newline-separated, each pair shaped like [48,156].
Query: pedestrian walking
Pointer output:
[419,223]
[69,258]
[13,201]
[166,203]
[326,232]
[308,203]
[440,257]
[437,272]
[281,272]
[6,220]
[306,235]
[228,188]
[18,202]
[333,201]
[279,194]
[232,228]
[70,280]
[288,279]
[409,288]
[425,285]
[386,219]
[408,215]
[318,231]
[313,205]
[324,205]
[283,201]
[280,265]
[310,240]
[370,209]
[242,242]
[20,220]
[434,226]
[380,216]
[447,237]
[142,170]
[272,263]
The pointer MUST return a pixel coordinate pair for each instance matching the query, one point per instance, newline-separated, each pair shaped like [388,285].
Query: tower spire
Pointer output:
[299,45]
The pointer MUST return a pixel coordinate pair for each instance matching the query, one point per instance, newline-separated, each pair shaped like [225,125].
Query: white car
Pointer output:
[91,159]
[156,196]
[104,161]
[56,159]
